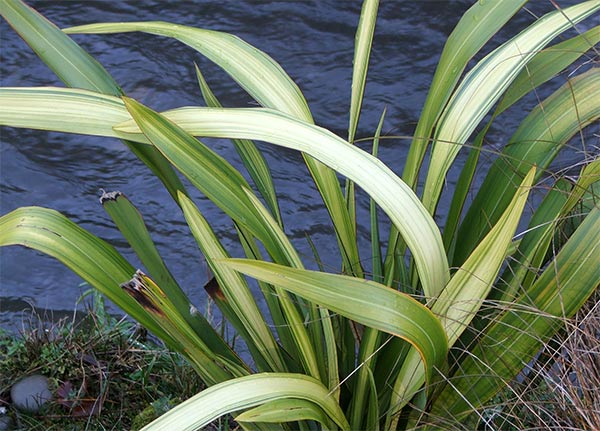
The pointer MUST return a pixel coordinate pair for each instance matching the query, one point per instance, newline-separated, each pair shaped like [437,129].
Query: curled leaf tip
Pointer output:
[139,290]
[109,196]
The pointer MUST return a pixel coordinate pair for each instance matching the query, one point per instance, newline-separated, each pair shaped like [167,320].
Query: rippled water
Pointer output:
[312,40]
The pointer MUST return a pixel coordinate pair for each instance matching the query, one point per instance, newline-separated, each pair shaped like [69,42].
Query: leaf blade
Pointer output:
[484,85]
[363,301]
[517,334]
[243,393]
[390,192]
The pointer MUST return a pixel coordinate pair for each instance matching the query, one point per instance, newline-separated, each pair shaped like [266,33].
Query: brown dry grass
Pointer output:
[562,389]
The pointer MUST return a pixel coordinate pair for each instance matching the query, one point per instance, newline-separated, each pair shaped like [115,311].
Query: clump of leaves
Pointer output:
[449,315]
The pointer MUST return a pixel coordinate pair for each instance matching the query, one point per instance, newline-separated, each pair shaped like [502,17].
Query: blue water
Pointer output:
[312,40]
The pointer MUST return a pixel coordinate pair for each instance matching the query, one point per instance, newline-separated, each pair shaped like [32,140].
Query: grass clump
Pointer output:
[561,389]
[105,373]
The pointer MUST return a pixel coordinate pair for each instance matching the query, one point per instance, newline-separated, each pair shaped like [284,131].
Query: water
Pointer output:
[312,40]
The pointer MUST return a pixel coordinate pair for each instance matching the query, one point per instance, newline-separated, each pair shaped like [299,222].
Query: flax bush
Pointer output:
[450,313]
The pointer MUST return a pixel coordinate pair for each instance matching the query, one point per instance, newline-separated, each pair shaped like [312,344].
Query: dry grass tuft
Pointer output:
[562,389]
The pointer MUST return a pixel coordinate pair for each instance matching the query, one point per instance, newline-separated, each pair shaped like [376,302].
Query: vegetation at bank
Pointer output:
[104,373]
[128,368]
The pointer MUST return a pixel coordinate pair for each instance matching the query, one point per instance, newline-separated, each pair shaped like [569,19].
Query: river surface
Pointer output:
[312,40]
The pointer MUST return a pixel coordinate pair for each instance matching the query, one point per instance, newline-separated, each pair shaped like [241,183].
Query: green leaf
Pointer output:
[461,192]
[589,176]
[132,226]
[316,331]
[393,196]
[254,70]
[546,64]
[485,84]
[73,65]
[513,339]
[397,199]
[287,410]
[211,367]
[374,218]
[539,138]
[470,285]
[268,83]
[94,260]
[528,259]
[363,301]
[474,29]
[221,183]
[362,52]
[244,393]
[373,413]
[371,337]
[76,68]
[208,171]
[61,110]
[234,290]
[462,297]
[253,160]
[554,210]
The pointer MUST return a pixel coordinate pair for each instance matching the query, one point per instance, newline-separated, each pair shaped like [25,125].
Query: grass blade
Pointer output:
[471,284]
[374,218]
[61,110]
[474,29]
[461,192]
[371,337]
[131,224]
[531,256]
[319,329]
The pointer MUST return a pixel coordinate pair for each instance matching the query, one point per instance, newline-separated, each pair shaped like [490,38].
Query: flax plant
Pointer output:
[450,313]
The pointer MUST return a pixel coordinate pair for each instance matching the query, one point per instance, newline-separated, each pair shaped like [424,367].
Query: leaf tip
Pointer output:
[109,196]
[138,290]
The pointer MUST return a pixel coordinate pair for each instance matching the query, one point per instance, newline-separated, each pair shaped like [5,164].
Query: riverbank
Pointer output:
[106,373]
[103,373]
